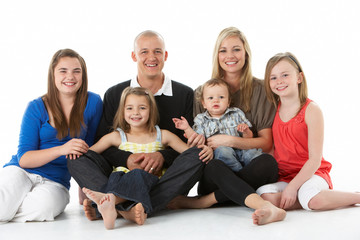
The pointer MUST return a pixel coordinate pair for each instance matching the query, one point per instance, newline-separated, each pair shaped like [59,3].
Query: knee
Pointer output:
[214,165]
[223,151]
[315,203]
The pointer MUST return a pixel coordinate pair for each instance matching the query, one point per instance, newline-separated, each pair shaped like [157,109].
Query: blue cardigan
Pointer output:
[36,134]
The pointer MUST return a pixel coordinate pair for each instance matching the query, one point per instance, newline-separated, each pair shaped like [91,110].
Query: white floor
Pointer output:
[216,223]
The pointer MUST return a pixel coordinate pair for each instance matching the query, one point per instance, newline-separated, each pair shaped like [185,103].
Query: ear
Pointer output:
[133,56]
[300,78]
[203,104]
[166,56]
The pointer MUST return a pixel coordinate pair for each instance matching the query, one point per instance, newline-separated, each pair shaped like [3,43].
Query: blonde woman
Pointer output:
[232,63]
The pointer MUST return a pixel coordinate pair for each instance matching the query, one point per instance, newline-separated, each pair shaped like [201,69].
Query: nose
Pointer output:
[70,75]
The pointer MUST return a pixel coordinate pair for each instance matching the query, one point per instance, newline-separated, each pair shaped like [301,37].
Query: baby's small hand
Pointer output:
[242,127]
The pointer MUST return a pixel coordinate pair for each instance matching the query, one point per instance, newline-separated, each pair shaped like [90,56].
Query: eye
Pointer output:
[221,97]
[222,51]
[285,75]
[210,98]
[272,78]
[128,108]
[158,52]
[142,108]
[237,49]
[143,52]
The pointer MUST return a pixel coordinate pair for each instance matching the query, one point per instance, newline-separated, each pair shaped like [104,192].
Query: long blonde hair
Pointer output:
[302,87]
[246,78]
[119,119]
[51,98]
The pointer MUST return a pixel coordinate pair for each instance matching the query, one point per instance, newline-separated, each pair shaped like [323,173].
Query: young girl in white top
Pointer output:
[298,132]
[135,130]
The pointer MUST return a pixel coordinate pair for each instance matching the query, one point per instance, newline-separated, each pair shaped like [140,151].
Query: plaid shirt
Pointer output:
[227,124]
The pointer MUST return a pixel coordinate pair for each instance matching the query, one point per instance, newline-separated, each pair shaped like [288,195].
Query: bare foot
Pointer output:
[268,214]
[192,202]
[135,214]
[82,196]
[108,211]
[93,195]
[89,210]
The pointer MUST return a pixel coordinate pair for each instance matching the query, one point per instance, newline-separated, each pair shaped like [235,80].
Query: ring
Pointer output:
[151,169]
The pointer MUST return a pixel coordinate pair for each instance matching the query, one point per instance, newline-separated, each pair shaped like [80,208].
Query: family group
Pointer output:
[140,149]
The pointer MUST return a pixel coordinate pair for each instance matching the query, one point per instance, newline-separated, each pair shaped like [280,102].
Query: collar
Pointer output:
[228,110]
[166,88]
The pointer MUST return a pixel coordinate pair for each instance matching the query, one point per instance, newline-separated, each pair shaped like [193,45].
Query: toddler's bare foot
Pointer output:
[93,195]
[191,202]
[108,211]
[135,214]
[89,210]
[268,214]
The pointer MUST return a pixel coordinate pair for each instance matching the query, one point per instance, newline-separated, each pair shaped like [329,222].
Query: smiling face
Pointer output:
[136,111]
[150,55]
[68,76]
[216,99]
[284,80]
[232,55]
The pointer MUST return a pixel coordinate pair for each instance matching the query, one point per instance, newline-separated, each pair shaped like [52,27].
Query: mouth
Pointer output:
[151,65]
[136,118]
[216,106]
[231,63]
[281,88]
[70,84]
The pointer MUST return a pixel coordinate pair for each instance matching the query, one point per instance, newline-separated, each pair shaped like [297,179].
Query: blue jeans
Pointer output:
[133,186]
[236,159]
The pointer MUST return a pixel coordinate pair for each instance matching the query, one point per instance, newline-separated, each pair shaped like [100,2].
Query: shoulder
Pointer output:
[177,85]
[182,89]
[37,106]
[258,85]
[313,111]
[118,88]
[94,102]
[93,97]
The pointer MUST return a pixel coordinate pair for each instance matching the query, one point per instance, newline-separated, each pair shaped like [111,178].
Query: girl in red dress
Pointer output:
[298,132]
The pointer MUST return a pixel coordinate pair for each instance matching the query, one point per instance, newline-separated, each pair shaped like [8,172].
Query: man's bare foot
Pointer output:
[135,214]
[90,212]
[192,202]
[108,211]
[268,214]
[93,195]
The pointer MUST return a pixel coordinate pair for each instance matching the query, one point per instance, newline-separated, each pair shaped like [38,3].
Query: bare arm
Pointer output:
[112,139]
[263,141]
[38,158]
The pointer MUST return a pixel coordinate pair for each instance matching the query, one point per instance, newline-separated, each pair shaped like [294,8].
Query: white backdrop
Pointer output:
[324,35]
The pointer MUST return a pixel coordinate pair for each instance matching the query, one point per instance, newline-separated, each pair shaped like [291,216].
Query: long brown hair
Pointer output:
[119,119]
[51,98]
[302,87]
[246,78]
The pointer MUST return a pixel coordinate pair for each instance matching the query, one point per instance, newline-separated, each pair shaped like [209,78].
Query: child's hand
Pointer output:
[288,197]
[206,153]
[242,127]
[181,124]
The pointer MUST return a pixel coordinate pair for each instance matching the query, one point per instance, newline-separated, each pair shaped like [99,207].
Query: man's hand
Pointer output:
[195,140]
[149,162]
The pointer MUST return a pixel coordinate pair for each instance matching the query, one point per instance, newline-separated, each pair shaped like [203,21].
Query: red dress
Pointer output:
[291,147]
